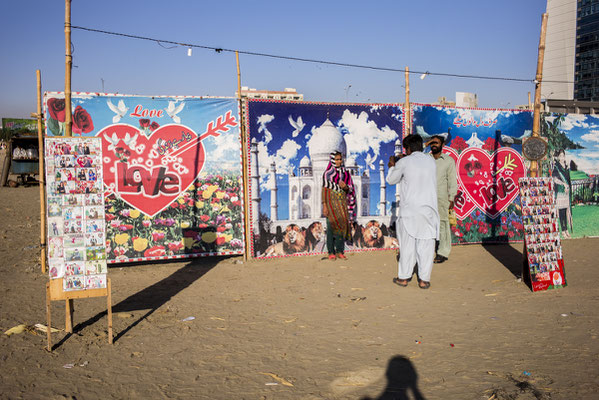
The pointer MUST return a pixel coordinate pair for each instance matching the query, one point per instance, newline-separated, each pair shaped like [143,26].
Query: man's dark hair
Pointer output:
[413,142]
[441,138]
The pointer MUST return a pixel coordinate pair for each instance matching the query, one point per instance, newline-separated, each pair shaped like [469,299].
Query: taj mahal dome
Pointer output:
[305,183]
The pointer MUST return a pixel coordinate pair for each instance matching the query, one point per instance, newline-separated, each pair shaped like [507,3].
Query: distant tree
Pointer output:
[573,166]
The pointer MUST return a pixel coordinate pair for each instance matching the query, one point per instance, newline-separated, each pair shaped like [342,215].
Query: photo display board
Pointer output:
[542,234]
[75,212]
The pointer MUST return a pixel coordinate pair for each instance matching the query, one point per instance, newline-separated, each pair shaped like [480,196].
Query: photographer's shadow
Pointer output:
[402,381]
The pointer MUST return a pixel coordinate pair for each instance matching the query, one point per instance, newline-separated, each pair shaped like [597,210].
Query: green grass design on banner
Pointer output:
[584,219]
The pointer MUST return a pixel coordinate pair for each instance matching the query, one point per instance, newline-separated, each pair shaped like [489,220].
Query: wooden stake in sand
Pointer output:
[244,153]
[42,176]
[68,123]
[537,111]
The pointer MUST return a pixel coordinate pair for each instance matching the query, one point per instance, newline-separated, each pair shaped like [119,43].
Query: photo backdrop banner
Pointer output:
[487,148]
[171,172]
[290,145]
[573,161]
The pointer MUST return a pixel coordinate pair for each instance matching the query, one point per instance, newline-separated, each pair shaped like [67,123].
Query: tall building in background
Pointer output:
[587,51]
[560,50]
[464,99]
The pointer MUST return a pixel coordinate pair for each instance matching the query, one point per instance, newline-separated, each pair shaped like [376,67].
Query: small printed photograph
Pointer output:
[74,254]
[91,174]
[94,239]
[73,226]
[55,206]
[93,199]
[95,225]
[55,247]
[73,200]
[557,278]
[55,226]
[65,161]
[89,161]
[65,175]
[74,240]
[543,276]
[94,212]
[93,147]
[76,282]
[95,281]
[71,187]
[56,269]
[75,212]
[95,253]
[95,267]
[88,187]
[81,174]
[74,268]
[55,188]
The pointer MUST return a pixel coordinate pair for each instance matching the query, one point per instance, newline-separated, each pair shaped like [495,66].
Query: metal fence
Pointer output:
[585,191]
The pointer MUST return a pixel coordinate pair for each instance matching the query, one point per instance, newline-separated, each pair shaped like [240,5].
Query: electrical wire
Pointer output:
[309,60]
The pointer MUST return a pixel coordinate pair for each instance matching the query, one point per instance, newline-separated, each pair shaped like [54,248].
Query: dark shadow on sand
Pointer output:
[402,381]
[152,297]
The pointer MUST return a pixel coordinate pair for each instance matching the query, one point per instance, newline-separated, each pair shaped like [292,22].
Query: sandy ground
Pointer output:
[301,327]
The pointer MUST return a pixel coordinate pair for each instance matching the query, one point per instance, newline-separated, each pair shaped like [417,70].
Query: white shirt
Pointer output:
[416,176]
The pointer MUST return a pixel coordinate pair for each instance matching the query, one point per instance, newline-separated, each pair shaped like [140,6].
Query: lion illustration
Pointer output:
[371,236]
[314,236]
[294,241]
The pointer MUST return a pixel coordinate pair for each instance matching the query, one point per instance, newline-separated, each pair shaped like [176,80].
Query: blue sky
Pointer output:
[464,37]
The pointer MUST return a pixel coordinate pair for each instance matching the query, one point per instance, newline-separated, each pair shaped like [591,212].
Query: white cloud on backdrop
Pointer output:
[574,121]
[227,148]
[282,158]
[588,163]
[363,134]
[593,136]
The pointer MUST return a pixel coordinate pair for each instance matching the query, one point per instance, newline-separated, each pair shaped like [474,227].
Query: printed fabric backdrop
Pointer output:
[573,161]
[171,172]
[290,143]
[487,148]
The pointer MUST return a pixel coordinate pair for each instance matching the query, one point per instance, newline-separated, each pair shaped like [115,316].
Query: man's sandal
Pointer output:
[401,282]
[423,284]
[439,259]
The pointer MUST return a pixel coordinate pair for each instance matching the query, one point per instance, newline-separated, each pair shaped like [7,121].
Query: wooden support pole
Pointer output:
[244,154]
[42,176]
[68,315]
[538,79]
[529,103]
[49,316]
[408,110]
[68,123]
[109,309]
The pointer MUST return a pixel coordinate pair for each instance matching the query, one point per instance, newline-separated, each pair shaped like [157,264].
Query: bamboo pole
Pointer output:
[68,67]
[538,79]
[42,177]
[408,110]
[244,153]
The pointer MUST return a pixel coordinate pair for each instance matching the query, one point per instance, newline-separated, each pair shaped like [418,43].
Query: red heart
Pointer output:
[149,173]
[463,205]
[491,180]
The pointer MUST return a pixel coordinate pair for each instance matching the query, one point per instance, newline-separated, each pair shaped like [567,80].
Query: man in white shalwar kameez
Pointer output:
[418,221]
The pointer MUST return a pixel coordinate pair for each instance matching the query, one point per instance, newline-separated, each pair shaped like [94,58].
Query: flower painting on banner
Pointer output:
[290,147]
[172,172]
[487,148]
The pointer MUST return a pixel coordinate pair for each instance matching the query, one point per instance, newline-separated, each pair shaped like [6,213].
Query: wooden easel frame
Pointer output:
[55,292]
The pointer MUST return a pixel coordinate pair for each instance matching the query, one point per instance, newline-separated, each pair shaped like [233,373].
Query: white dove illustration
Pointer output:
[113,140]
[297,125]
[120,111]
[172,111]
[370,161]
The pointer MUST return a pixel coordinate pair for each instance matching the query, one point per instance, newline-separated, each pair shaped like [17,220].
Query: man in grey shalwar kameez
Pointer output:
[418,222]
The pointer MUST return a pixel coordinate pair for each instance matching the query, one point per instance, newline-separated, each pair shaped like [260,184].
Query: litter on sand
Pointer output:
[16,329]
[277,378]
[188,319]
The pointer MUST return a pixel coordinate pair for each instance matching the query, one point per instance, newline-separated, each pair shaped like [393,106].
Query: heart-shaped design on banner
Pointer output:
[149,173]
[491,180]
[462,205]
